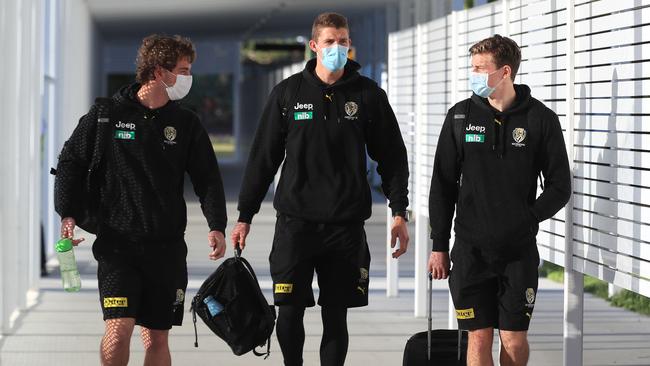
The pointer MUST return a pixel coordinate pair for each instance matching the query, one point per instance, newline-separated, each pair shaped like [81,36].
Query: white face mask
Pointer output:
[180,89]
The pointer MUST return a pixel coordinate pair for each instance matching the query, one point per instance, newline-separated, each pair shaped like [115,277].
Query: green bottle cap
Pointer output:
[63,245]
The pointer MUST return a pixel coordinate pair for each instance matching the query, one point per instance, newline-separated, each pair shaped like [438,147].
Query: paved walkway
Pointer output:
[65,329]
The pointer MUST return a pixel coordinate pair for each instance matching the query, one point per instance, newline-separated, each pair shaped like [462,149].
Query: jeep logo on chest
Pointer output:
[309,107]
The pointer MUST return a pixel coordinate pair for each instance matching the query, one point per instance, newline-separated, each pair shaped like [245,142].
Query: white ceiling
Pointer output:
[232,17]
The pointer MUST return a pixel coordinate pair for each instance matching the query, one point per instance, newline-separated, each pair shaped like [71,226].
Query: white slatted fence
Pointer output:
[589,61]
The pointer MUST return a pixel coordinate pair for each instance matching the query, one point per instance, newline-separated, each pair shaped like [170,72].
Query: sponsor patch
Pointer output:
[283,288]
[472,128]
[465,313]
[470,137]
[116,302]
[127,126]
[124,135]
[299,116]
[307,106]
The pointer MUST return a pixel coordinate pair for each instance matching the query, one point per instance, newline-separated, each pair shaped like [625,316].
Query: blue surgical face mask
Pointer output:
[478,82]
[334,57]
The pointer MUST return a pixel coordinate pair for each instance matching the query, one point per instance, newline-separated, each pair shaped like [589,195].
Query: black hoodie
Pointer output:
[495,196]
[325,136]
[146,160]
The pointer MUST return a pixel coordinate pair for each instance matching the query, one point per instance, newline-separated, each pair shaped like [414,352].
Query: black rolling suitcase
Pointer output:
[439,347]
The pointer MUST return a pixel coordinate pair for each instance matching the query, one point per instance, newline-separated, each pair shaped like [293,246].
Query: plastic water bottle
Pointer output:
[68,265]
[214,306]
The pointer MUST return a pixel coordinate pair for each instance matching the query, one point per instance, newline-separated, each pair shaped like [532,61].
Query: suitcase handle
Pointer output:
[430,321]
[429,318]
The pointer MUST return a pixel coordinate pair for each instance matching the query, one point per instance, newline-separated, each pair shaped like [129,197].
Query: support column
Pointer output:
[573,280]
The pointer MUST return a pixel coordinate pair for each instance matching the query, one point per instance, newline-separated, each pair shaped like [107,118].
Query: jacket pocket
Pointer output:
[468,224]
[534,224]
[507,221]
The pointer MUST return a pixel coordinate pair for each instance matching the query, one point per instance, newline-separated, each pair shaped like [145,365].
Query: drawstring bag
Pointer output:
[230,302]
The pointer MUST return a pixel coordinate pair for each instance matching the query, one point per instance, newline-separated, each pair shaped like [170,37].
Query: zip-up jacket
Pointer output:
[494,187]
[325,135]
[141,195]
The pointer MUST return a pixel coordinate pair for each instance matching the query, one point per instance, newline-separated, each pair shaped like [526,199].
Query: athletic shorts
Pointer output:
[145,282]
[499,294]
[337,252]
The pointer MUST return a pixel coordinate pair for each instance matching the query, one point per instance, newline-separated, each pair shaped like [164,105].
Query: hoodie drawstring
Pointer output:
[328,98]
[332,98]
[495,129]
[336,108]
[501,140]
[494,134]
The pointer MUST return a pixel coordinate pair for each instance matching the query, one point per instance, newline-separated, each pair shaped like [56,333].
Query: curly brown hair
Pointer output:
[504,51]
[164,51]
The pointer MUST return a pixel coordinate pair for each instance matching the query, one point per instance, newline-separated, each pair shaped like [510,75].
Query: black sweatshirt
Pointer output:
[145,163]
[325,136]
[496,204]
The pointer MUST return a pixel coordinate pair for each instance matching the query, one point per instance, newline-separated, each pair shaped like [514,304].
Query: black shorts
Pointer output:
[145,282]
[339,254]
[497,294]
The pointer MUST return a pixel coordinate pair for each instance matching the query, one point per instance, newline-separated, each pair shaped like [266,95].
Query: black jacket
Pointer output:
[325,136]
[496,204]
[145,163]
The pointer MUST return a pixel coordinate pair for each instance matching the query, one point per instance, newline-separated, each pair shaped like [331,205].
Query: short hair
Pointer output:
[163,51]
[504,51]
[334,20]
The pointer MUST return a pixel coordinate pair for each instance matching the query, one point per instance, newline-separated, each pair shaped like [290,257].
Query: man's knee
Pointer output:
[481,338]
[154,340]
[514,342]
[117,335]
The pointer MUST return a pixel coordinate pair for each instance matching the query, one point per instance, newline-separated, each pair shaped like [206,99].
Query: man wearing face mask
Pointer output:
[491,149]
[323,119]
[140,247]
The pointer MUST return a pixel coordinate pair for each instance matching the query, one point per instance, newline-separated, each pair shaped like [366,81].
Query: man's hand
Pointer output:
[399,231]
[67,230]
[239,234]
[217,242]
[439,265]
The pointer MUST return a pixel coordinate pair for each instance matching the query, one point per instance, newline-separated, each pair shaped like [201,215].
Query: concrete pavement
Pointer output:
[65,329]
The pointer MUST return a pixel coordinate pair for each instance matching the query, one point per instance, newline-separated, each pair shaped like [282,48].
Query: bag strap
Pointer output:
[268,350]
[289,95]
[249,268]
[461,113]
[104,106]
[196,334]
[243,261]
[102,136]
[535,130]
[367,98]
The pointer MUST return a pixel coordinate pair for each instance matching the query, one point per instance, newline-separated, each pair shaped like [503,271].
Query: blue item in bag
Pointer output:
[214,306]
